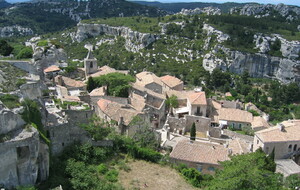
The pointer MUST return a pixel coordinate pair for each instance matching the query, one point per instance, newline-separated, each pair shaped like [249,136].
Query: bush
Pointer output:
[5,48]
[112,175]
[10,101]
[144,153]
[102,168]
[254,113]
[25,53]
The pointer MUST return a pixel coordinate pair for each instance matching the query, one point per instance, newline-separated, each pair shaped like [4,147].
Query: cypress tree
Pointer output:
[193,132]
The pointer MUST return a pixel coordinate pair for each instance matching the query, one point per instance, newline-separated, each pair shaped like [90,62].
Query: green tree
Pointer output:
[172,102]
[25,53]
[91,84]
[193,132]
[292,181]
[5,48]
[117,83]
[97,128]
[247,171]
[219,78]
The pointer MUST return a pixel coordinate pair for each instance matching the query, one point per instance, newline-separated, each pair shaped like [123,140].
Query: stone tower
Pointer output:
[90,64]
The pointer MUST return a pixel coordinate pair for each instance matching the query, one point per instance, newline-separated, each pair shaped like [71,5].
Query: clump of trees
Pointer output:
[5,48]
[117,83]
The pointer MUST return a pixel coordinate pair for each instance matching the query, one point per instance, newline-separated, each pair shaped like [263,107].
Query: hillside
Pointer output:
[176,7]
[44,17]
[4,4]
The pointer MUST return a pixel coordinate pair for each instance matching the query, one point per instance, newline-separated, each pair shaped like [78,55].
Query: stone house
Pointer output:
[69,83]
[259,123]
[150,81]
[171,83]
[196,103]
[203,156]
[120,115]
[51,71]
[235,118]
[284,139]
[90,64]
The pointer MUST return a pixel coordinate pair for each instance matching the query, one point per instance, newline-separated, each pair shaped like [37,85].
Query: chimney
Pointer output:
[281,127]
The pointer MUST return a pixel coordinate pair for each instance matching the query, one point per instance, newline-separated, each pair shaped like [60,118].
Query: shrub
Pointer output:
[112,175]
[144,154]
[102,168]
[25,53]
[10,101]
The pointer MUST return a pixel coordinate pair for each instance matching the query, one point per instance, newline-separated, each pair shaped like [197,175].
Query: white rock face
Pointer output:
[207,10]
[134,40]
[289,49]
[298,27]
[221,37]
[9,31]
[265,10]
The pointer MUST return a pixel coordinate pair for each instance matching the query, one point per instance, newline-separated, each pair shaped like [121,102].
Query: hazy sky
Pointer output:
[288,2]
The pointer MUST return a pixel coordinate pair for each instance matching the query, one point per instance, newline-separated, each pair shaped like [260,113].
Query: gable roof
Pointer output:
[146,77]
[106,70]
[69,82]
[236,115]
[51,68]
[197,98]
[98,91]
[171,81]
[259,122]
[275,134]
[199,152]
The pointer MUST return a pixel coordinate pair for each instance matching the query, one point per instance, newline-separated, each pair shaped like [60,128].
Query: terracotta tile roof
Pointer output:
[228,94]
[179,94]
[51,68]
[115,110]
[274,134]
[98,91]
[71,98]
[106,70]
[237,115]
[238,146]
[145,78]
[147,91]
[197,98]
[259,122]
[138,102]
[171,81]
[70,82]
[199,152]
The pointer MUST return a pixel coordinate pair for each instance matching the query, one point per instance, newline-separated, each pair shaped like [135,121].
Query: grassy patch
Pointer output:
[10,101]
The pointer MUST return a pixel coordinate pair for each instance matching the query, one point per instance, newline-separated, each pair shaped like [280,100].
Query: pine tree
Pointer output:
[193,132]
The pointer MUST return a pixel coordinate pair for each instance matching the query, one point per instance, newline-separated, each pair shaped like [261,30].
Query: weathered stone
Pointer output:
[206,10]
[16,30]
[134,40]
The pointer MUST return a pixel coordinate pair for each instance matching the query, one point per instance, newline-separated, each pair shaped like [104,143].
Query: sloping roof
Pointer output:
[115,110]
[171,81]
[228,94]
[69,82]
[180,94]
[238,146]
[146,77]
[98,91]
[51,68]
[138,102]
[197,98]
[259,122]
[106,70]
[237,115]
[147,91]
[199,152]
[274,134]
[287,167]
[90,55]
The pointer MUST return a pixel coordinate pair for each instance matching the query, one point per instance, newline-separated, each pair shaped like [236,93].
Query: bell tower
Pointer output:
[90,64]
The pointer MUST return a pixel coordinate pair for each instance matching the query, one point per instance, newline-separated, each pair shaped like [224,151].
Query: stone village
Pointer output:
[25,158]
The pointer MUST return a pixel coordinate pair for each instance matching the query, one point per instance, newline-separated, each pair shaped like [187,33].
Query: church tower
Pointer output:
[90,64]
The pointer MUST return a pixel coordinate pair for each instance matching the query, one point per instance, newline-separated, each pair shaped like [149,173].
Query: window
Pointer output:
[295,147]
[257,142]
[290,148]
[91,64]
[199,167]
[240,126]
[198,110]
[211,169]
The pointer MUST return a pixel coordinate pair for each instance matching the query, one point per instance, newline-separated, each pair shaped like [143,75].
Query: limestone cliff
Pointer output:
[286,68]
[134,40]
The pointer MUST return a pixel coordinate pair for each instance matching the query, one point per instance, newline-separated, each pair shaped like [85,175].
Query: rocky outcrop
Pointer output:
[164,26]
[286,69]
[260,10]
[134,40]
[289,49]
[10,120]
[206,10]
[24,159]
[259,65]
[9,31]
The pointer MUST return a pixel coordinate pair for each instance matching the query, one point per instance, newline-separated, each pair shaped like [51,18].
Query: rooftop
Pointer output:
[98,91]
[69,82]
[197,98]
[116,111]
[146,77]
[237,115]
[149,92]
[259,122]
[171,81]
[199,152]
[287,167]
[289,132]
[106,70]
[51,68]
